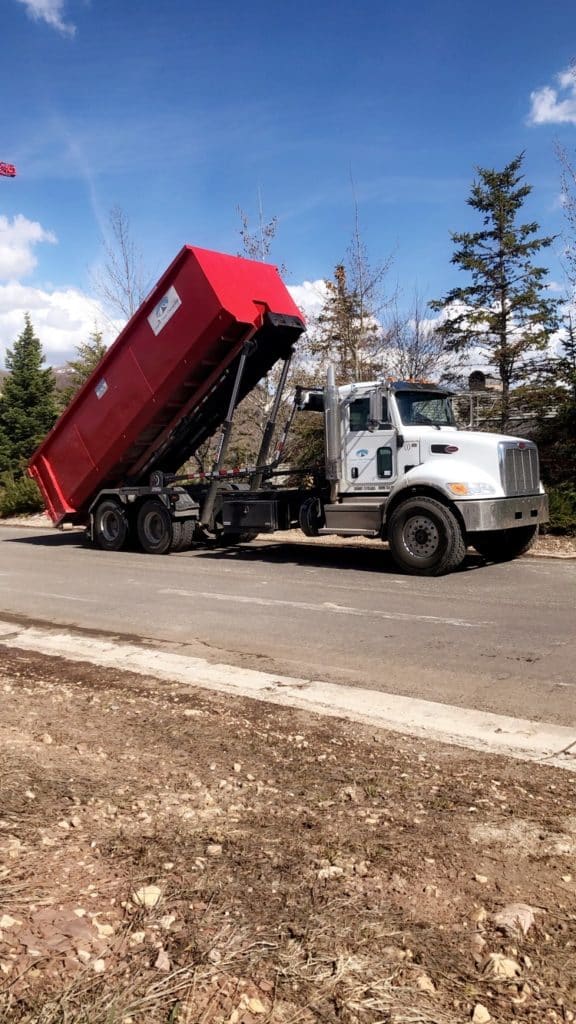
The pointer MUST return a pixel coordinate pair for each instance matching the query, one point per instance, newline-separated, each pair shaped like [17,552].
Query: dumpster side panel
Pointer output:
[186,332]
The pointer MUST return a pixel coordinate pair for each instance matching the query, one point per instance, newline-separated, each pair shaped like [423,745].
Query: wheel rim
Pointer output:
[110,526]
[421,537]
[154,528]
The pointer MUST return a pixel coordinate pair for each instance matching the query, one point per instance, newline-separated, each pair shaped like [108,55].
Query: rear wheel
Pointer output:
[504,545]
[111,527]
[155,528]
[182,534]
[425,537]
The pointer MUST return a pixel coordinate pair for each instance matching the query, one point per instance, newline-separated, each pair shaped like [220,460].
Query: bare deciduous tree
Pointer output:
[415,348]
[122,281]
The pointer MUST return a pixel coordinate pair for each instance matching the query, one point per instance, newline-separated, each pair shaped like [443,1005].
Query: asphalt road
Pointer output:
[500,637]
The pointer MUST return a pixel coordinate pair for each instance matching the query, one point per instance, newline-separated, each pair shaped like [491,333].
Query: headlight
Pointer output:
[461,489]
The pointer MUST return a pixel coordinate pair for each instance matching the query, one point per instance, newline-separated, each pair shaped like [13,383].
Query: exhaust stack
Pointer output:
[333,434]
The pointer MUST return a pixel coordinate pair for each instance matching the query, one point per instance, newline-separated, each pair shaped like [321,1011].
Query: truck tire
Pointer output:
[425,537]
[155,528]
[504,545]
[182,534]
[311,517]
[111,526]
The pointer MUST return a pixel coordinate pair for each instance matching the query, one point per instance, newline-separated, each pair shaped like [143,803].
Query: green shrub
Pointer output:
[19,495]
[562,501]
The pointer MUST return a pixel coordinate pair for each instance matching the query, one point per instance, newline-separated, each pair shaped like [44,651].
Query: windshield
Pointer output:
[428,408]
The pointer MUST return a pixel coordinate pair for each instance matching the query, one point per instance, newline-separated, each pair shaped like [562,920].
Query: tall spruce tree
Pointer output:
[347,332]
[504,312]
[88,355]
[27,404]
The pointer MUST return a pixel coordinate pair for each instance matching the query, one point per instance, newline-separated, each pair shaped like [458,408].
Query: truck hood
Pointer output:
[475,460]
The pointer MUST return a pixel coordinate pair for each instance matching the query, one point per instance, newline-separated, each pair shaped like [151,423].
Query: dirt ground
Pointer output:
[168,855]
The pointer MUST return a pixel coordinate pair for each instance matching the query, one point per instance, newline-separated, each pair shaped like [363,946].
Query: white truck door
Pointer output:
[370,459]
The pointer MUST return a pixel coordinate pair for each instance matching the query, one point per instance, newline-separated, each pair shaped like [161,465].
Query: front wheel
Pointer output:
[425,537]
[504,545]
[155,528]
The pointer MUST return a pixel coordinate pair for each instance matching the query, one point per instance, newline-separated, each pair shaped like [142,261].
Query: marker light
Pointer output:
[460,488]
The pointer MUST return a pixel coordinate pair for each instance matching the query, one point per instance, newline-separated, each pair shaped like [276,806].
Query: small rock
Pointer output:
[105,931]
[64,824]
[47,739]
[167,921]
[425,984]
[30,795]
[392,954]
[214,850]
[136,938]
[168,865]
[480,1014]
[331,872]
[515,918]
[162,962]
[481,879]
[83,955]
[6,921]
[502,967]
[479,915]
[256,1006]
[148,896]
[215,956]
[237,766]
[566,878]
[99,966]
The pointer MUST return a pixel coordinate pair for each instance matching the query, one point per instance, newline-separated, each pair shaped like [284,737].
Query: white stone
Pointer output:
[148,896]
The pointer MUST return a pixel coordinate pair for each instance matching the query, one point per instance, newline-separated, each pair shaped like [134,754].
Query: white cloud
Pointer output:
[62,319]
[17,240]
[310,297]
[555,104]
[51,12]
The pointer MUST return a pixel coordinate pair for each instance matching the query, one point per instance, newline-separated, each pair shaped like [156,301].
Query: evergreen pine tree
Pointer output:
[27,403]
[88,355]
[504,312]
[346,332]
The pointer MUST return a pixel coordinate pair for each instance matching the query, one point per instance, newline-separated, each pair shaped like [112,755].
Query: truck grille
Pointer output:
[519,469]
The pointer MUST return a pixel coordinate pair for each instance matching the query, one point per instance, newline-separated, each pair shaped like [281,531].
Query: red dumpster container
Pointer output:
[162,387]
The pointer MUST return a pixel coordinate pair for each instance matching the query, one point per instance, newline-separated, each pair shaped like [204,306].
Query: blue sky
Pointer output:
[180,112]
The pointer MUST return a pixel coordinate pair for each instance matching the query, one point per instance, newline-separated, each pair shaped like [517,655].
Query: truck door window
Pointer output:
[384,462]
[359,414]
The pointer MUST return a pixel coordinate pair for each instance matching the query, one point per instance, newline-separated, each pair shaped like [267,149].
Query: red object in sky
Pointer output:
[7,170]
[164,385]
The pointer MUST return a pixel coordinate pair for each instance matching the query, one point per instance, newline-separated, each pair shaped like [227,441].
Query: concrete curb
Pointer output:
[522,739]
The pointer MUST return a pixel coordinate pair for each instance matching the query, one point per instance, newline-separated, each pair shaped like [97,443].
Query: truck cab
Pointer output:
[400,468]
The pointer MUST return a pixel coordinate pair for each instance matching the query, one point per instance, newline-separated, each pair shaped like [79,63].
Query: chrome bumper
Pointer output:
[503,513]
